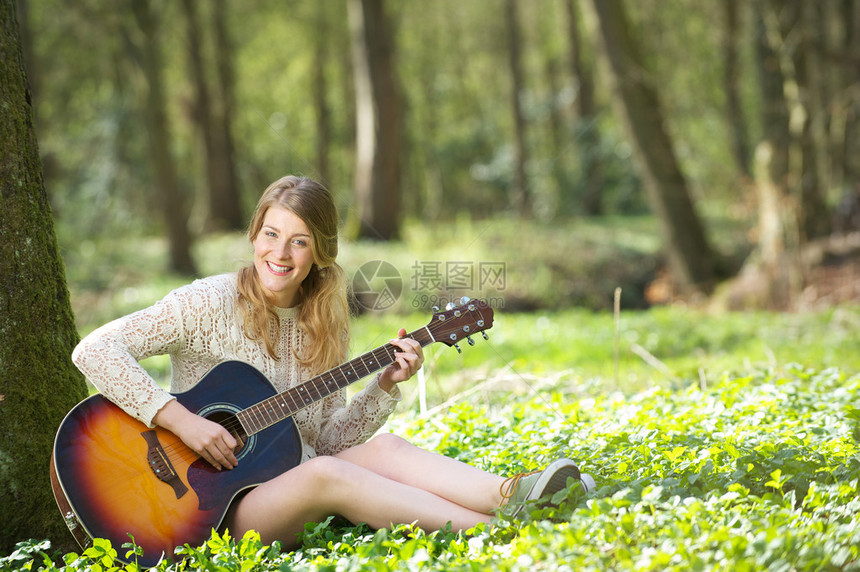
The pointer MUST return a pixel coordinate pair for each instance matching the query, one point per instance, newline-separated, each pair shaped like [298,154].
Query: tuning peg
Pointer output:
[434,309]
[486,337]
[450,306]
[470,340]
[464,300]
[459,351]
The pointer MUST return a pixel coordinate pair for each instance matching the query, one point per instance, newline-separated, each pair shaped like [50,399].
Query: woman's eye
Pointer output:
[300,242]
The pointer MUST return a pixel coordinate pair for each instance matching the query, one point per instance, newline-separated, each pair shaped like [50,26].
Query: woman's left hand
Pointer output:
[407,361]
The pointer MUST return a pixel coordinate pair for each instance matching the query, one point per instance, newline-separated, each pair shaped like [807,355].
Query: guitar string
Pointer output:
[235,426]
[178,450]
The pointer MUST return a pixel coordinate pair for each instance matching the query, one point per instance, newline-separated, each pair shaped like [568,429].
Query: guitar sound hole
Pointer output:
[232,424]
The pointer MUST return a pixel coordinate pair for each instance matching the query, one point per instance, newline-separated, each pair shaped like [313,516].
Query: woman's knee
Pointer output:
[378,453]
[387,442]
[323,470]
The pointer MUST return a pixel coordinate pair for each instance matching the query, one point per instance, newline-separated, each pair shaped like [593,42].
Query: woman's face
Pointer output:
[283,255]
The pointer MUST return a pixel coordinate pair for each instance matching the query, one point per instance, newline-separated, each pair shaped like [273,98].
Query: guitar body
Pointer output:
[119,477]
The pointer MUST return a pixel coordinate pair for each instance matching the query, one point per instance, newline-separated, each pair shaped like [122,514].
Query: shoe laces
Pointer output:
[509,485]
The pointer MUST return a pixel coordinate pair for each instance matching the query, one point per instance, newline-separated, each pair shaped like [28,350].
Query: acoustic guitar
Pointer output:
[115,478]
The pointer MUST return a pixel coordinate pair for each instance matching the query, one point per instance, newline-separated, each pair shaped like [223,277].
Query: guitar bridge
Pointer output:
[160,465]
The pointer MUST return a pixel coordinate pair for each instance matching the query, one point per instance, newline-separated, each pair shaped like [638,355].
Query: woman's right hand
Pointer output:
[208,439]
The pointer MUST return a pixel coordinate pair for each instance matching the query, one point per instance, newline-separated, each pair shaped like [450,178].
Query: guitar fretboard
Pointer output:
[278,407]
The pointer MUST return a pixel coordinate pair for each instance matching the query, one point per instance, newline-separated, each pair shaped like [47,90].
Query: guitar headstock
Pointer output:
[458,322]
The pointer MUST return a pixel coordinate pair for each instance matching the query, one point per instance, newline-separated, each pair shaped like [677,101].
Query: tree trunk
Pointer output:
[170,194]
[226,206]
[378,120]
[558,136]
[31,64]
[424,123]
[811,135]
[520,195]
[771,275]
[211,115]
[39,382]
[731,74]
[320,91]
[691,260]
[788,28]
[774,109]
[848,211]
[772,162]
[586,111]
[201,111]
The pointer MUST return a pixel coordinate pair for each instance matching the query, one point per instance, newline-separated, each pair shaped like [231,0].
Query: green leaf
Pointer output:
[776,480]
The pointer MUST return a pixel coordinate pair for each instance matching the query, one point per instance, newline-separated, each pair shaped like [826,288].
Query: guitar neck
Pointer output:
[278,407]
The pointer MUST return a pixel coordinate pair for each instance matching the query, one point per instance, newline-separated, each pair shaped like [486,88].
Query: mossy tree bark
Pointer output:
[38,382]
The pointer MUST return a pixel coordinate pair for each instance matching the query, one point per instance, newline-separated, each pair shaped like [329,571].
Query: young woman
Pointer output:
[287,315]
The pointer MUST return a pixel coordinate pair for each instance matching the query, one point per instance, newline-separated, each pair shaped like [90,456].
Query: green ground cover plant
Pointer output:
[720,441]
[753,472]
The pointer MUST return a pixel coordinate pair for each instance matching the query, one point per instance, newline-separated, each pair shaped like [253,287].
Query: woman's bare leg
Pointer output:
[399,460]
[279,508]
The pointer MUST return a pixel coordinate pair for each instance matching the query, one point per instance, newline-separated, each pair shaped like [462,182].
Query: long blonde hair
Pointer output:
[324,312]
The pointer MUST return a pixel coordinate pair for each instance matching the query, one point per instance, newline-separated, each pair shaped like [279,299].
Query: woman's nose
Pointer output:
[284,250]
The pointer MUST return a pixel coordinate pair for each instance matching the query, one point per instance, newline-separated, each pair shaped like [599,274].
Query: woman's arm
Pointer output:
[344,425]
[109,356]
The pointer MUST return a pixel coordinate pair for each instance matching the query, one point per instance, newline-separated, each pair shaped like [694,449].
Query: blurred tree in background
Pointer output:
[520,191]
[379,120]
[637,100]
[143,42]
[170,118]
[212,113]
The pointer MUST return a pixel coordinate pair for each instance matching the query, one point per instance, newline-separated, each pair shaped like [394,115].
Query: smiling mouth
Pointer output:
[278,269]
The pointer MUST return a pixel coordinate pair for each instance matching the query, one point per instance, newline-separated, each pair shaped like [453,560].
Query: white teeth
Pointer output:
[278,268]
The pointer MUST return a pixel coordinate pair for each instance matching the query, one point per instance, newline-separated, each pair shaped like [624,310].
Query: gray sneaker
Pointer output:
[525,487]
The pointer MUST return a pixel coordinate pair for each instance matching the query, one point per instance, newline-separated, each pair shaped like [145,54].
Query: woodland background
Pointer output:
[705,155]
[170,117]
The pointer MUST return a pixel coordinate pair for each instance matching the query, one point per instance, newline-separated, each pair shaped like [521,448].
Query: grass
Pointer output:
[675,346]
[720,441]
[752,472]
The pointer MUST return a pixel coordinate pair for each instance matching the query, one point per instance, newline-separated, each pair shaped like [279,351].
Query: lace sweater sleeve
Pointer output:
[109,356]
[347,426]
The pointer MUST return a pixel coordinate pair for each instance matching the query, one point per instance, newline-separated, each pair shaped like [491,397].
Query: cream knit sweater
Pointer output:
[199,326]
